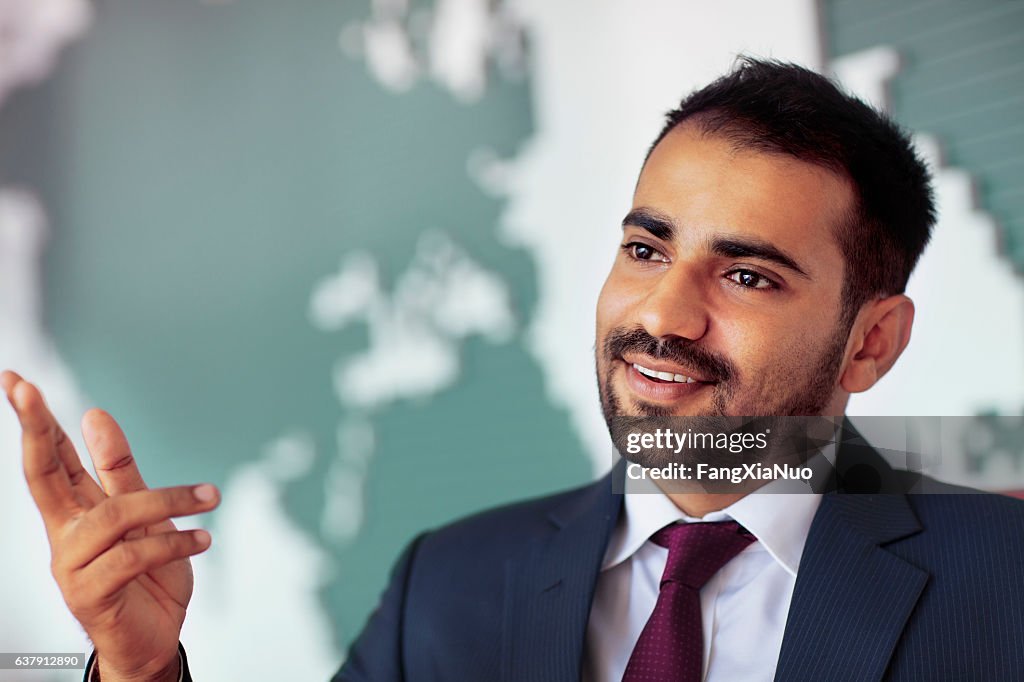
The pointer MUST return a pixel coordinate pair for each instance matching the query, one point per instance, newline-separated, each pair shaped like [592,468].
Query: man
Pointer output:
[761,272]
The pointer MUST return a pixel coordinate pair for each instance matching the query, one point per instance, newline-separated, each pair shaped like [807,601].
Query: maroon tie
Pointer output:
[671,646]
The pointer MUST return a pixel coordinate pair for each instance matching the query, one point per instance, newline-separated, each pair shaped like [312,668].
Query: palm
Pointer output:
[168,587]
[155,602]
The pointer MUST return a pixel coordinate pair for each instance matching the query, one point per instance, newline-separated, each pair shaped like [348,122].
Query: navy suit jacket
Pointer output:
[891,586]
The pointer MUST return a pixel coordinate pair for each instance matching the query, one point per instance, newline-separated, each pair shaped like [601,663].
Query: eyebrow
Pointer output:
[736,247]
[662,227]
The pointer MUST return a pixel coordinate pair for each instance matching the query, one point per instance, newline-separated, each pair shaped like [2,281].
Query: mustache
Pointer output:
[678,350]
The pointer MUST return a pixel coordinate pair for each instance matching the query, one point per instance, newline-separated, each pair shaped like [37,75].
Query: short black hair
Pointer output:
[783,108]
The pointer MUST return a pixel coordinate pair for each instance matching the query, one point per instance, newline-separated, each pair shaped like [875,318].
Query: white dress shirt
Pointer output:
[743,607]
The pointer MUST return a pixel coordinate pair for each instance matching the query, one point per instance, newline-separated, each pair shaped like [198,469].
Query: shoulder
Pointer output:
[506,529]
[975,535]
[449,587]
[972,546]
[455,578]
[965,513]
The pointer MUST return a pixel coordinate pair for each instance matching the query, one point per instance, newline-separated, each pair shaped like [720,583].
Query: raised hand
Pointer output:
[121,564]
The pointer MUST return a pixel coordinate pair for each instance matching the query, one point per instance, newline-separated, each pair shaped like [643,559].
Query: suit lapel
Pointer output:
[850,604]
[852,597]
[549,591]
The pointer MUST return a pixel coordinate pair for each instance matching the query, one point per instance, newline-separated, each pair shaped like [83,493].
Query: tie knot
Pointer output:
[697,550]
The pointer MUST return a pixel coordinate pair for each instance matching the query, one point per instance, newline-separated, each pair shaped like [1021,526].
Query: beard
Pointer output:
[755,404]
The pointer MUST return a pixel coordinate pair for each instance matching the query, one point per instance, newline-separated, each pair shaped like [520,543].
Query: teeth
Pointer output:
[664,376]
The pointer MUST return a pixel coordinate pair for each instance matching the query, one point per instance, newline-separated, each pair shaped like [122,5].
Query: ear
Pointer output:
[880,333]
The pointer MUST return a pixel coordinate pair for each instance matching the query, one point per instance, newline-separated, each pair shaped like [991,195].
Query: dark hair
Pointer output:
[783,108]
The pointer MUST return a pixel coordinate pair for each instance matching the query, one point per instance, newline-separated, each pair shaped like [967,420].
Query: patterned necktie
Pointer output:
[671,646]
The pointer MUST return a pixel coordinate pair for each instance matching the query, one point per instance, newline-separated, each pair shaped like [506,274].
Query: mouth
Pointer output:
[663,377]
[656,381]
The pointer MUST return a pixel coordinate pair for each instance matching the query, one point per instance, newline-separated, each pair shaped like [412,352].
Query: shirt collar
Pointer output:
[779,521]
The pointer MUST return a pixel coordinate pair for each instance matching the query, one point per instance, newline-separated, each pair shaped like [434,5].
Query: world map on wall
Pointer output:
[279,265]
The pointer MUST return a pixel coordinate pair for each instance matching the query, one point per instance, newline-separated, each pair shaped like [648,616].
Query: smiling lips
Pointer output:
[664,376]
[659,385]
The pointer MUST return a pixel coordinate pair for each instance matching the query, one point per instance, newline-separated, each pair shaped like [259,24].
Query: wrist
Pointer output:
[169,673]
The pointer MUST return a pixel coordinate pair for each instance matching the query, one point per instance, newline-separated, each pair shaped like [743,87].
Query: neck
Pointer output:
[699,505]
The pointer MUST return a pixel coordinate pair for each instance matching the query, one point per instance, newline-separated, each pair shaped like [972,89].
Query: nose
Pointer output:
[675,306]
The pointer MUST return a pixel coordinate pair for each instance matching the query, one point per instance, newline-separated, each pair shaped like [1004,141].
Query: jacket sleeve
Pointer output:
[92,675]
[376,654]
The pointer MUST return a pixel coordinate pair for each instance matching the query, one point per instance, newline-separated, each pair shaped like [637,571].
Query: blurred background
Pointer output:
[341,259]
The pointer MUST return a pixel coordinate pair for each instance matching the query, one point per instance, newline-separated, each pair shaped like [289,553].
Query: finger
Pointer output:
[111,455]
[87,492]
[8,379]
[124,562]
[106,524]
[47,478]
[113,460]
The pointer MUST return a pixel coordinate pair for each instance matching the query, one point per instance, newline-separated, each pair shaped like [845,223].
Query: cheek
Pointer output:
[614,304]
[745,334]
[774,351]
[758,346]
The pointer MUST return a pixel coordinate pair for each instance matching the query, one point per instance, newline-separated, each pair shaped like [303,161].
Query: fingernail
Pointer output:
[202,537]
[205,492]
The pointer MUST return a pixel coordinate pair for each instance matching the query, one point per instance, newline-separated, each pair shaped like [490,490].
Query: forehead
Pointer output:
[707,187]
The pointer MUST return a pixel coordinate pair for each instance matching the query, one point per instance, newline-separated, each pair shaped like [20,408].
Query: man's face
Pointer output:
[728,283]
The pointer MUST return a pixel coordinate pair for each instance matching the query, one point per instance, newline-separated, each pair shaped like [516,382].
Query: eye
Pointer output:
[748,279]
[643,252]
